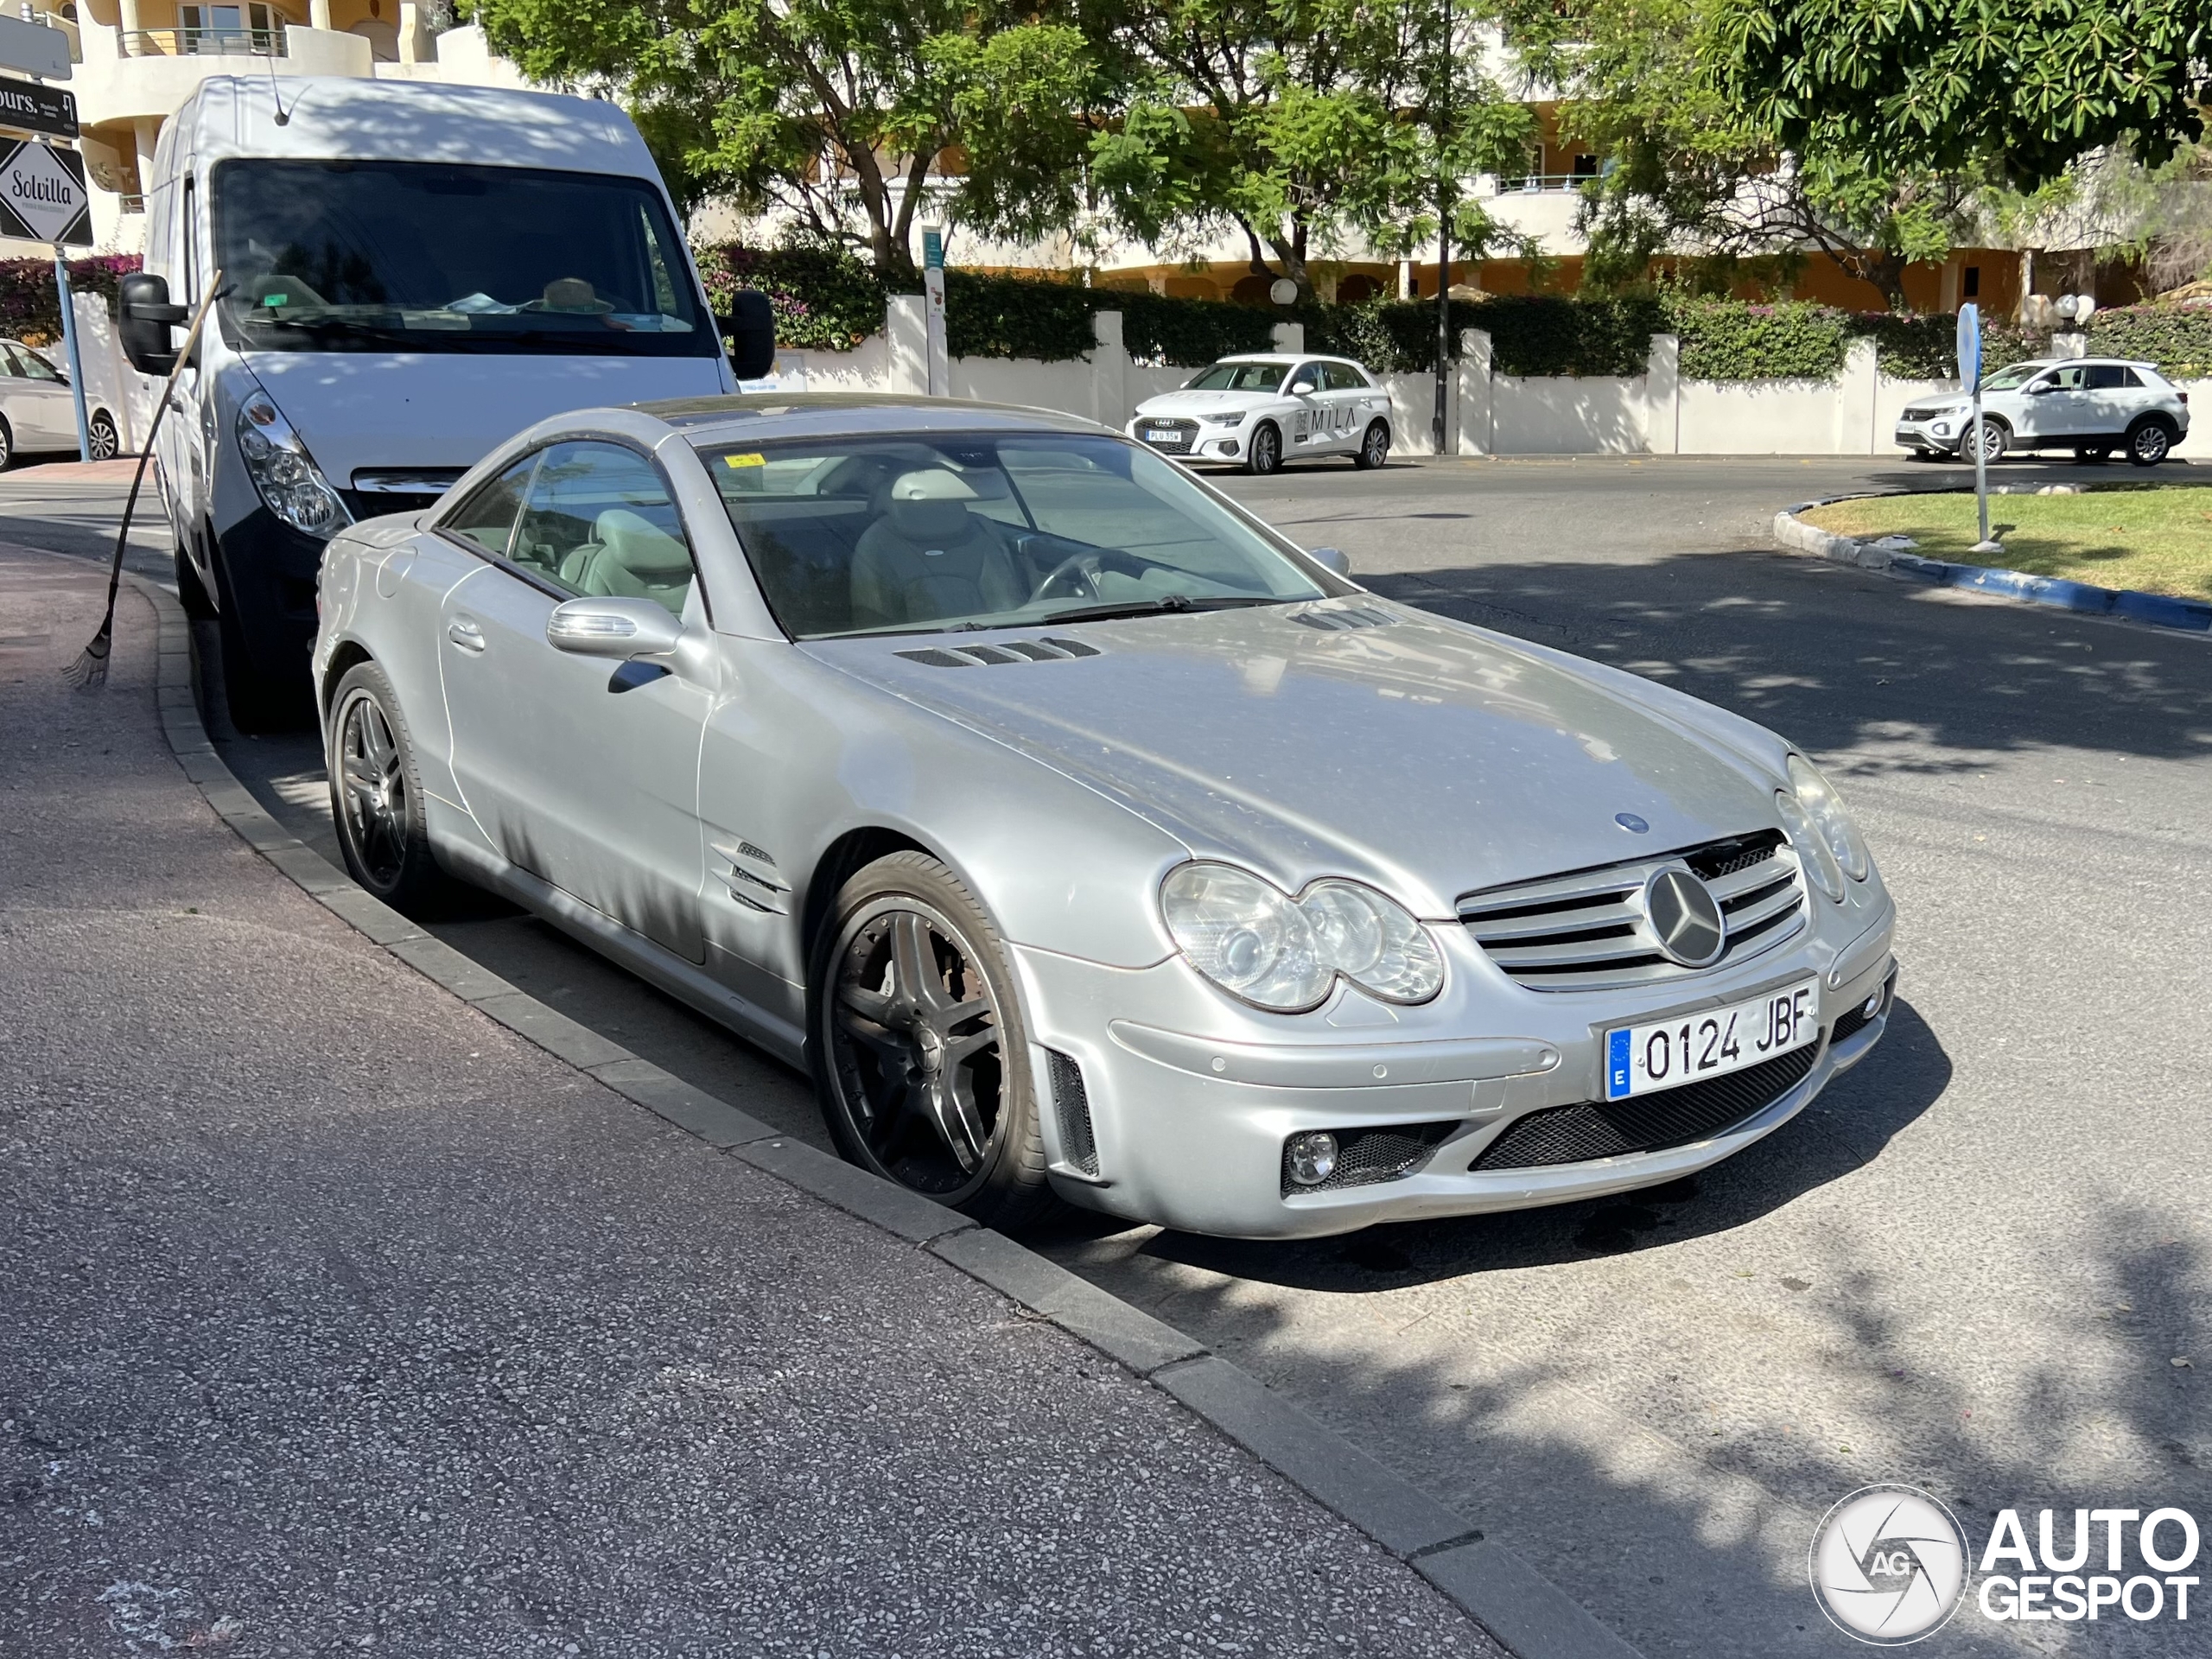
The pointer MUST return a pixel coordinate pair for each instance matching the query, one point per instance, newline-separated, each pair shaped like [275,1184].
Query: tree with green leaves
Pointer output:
[837,111]
[2020,91]
[1693,174]
[1308,126]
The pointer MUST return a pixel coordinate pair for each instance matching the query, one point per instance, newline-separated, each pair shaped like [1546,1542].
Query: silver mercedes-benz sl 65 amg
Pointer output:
[1086,840]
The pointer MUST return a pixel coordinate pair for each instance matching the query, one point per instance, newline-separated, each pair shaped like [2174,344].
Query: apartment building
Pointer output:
[137,61]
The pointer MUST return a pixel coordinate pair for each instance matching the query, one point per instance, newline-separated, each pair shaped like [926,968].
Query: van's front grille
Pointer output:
[1586,931]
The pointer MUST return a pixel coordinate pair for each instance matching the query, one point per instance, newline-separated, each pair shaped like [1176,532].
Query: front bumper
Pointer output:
[1923,435]
[1209,441]
[1187,1129]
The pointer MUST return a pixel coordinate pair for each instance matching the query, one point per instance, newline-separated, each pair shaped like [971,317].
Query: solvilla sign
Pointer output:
[43,194]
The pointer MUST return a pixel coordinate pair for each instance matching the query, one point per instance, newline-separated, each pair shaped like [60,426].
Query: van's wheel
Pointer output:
[1265,455]
[2092,454]
[191,592]
[102,441]
[1375,447]
[921,1060]
[2149,443]
[376,794]
[1995,439]
[257,701]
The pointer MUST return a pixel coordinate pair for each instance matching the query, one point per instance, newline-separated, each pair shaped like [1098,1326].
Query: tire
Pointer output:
[255,701]
[2092,454]
[2149,443]
[1374,447]
[191,592]
[376,795]
[1996,438]
[912,1015]
[7,446]
[1265,453]
[102,441]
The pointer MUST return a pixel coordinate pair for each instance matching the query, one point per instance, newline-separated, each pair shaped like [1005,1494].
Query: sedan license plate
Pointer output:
[1645,1059]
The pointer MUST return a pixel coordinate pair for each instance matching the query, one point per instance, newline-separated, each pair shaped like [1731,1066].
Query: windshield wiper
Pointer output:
[348,325]
[1168,604]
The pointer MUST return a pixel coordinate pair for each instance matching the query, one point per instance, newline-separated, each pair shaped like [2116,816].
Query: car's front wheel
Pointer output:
[376,794]
[1374,447]
[1996,438]
[1265,455]
[2149,443]
[920,1057]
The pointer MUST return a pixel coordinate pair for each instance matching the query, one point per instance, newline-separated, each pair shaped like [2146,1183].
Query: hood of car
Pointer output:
[1192,404]
[1348,737]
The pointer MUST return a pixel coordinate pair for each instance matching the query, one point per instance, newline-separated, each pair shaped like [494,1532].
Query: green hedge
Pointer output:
[2178,338]
[1531,334]
[1187,333]
[30,307]
[823,298]
[1727,340]
[1008,316]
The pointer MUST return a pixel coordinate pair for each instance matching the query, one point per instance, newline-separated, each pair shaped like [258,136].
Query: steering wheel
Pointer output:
[1087,567]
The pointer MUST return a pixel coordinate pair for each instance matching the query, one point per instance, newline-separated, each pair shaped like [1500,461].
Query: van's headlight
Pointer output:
[1828,842]
[291,485]
[1283,954]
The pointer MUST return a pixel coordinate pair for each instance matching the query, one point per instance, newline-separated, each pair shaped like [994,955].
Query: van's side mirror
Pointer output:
[145,319]
[751,330]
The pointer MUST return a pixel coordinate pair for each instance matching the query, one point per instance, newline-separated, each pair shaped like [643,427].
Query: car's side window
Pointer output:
[2110,376]
[598,520]
[28,364]
[1345,377]
[487,517]
[1308,378]
[2069,380]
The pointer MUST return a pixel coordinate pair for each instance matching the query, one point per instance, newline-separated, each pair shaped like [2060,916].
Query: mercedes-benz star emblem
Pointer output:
[1684,918]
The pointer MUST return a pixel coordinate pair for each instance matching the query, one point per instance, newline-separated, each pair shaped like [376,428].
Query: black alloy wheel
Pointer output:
[914,1023]
[376,794]
[1266,454]
[1374,447]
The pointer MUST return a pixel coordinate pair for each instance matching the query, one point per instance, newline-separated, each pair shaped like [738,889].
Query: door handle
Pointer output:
[465,633]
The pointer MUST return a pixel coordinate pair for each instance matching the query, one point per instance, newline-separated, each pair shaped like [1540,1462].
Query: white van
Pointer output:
[412,273]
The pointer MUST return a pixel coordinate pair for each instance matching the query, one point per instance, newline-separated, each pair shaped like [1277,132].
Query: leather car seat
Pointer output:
[927,557]
[634,559]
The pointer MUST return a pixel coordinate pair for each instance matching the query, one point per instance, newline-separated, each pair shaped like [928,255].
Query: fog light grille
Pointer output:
[1072,1102]
[1365,1156]
[1674,1117]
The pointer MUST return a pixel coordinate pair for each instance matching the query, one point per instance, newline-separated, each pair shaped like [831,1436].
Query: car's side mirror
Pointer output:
[751,330]
[2041,387]
[618,629]
[1302,388]
[1331,559]
[144,318]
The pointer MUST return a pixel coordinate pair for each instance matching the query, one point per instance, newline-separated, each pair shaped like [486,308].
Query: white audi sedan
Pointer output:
[1260,410]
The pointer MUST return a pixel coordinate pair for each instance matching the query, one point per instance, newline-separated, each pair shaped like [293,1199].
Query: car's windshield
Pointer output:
[934,531]
[2013,378]
[337,256]
[1237,377]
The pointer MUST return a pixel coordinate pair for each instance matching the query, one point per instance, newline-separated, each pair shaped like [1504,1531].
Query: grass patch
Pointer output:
[2157,541]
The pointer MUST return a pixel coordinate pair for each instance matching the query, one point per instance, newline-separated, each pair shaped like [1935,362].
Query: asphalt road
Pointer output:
[1972,1265]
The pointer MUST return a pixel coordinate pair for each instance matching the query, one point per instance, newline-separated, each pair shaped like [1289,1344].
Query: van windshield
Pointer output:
[339,256]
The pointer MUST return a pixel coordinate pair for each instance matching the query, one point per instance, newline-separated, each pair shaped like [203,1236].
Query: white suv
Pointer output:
[2092,405]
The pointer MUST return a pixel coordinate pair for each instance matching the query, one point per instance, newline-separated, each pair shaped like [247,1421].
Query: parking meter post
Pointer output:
[71,353]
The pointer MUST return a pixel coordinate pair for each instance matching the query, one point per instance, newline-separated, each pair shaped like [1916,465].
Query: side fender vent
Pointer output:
[1047,650]
[1071,1103]
[1344,620]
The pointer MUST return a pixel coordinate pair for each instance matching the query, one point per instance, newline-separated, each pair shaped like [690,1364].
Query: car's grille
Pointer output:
[1177,437]
[1366,1156]
[1586,931]
[1919,415]
[1696,1111]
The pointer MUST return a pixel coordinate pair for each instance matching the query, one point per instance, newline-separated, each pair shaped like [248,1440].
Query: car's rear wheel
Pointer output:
[1374,447]
[2150,441]
[921,1056]
[2092,454]
[376,794]
[102,441]
[1265,455]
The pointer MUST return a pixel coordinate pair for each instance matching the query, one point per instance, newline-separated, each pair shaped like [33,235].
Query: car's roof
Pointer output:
[1284,358]
[748,417]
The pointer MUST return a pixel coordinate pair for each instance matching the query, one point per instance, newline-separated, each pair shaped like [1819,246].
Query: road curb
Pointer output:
[1531,1616]
[2155,610]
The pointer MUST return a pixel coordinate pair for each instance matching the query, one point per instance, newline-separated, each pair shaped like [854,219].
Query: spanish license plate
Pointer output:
[1155,435]
[1645,1059]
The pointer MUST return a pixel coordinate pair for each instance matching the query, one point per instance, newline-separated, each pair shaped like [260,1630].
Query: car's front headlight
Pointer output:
[1283,954]
[1236,419]
[290,484]
[1821,829]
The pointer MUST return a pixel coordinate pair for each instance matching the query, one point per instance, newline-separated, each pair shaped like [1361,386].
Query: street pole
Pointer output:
[69,350]
[1440,421]
[1981,469]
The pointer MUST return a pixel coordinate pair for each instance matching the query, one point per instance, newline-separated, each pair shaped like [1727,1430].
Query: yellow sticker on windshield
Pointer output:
[744,461]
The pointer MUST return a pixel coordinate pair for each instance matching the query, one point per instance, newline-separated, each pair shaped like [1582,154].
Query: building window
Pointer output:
[1972,287]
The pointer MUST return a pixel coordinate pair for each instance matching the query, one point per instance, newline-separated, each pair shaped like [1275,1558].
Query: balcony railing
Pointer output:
[1537,183]
[203,42]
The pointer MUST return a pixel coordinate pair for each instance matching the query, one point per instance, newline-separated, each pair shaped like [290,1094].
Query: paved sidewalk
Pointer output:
[335,1316]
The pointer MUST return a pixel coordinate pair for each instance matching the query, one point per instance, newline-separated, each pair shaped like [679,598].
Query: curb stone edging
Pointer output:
[2156,610]
[1531,1616]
